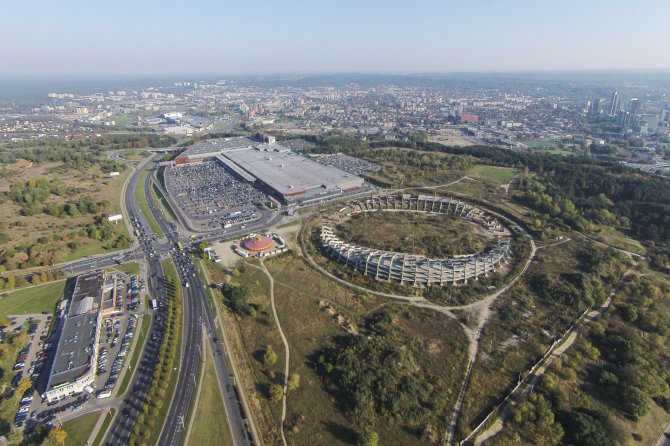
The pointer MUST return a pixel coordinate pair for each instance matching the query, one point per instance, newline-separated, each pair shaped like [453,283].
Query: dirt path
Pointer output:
[283,338]
[555,351]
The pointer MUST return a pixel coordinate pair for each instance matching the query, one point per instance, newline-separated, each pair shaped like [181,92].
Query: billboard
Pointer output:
[113,174]
[114,218]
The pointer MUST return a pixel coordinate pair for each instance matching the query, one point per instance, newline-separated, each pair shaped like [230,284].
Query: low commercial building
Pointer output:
[76,354]
[282,173]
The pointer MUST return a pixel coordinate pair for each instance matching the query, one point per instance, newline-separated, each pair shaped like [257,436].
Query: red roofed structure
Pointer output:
[257,244]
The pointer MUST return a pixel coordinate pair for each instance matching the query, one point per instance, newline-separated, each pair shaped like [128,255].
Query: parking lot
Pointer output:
[350,164]
[208,191]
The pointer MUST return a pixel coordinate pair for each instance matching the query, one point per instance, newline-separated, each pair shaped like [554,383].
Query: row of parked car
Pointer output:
[118,362]
[24,408]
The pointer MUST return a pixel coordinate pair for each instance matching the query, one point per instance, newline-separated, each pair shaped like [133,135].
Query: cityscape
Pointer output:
[349,224]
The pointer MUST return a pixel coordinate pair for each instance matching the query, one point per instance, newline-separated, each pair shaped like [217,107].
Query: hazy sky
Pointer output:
[271,36]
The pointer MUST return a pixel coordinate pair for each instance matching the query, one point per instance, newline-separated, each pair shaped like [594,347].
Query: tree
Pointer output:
[24,385]
[58,435]
[368,438]
[276,393]
[269,357]
[293,381]
[584,430]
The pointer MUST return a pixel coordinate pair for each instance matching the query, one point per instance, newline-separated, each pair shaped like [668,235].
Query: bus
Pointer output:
[154,304]
[181,247]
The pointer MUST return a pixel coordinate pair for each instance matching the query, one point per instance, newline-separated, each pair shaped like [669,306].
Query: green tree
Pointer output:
[276,393]
[269,357]
[293,381]
[368,438]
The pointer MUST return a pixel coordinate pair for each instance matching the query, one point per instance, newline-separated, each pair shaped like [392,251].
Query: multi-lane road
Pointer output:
[197,322]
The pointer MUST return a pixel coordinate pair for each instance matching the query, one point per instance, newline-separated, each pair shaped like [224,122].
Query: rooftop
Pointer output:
[75,345]
[212,147]
[287,172]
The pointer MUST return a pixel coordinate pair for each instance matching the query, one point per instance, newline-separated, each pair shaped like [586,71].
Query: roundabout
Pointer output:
[412,269]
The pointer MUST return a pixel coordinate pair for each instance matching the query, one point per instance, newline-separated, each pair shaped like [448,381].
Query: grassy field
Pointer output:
[143,204]
[32,300]
[8,353]
[142,331]
[517,335]
[495,174]
[159,198]
[313,417]
[617,239]
[414,233]
[104,427]
[128,268]
[91,182]
[210,426]
[79,429]
[291,223]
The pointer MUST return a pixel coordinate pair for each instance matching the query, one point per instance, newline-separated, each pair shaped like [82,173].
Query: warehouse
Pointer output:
[74,365]
[210,148]
[278,171]
[291,177]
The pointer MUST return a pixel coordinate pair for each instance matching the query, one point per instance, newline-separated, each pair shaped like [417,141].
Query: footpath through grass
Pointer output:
[37,299]
[495,174]
[79,429]
[144,204]
[210,426]
[142,333]
[103,429]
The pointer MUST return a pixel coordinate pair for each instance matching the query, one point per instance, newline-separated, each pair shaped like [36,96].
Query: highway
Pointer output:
[197,321]
[197,318]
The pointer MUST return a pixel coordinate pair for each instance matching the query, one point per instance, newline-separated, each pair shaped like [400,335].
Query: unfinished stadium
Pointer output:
[411,269]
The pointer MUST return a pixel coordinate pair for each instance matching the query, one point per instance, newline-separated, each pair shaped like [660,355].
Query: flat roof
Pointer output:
[76,343]
[287,172]
[212,147]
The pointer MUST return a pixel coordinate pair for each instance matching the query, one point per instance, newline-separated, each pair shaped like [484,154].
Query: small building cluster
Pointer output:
[256,245]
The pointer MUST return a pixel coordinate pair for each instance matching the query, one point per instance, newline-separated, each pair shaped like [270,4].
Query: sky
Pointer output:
[75,37]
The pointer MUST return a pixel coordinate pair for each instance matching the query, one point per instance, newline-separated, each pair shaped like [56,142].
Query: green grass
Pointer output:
[143,327]
[79,429]
[144,205]
[291,223]
[128,268]
[33,300]
[103,429]
[558,152]
[210,426]
[164,203]
[495,174]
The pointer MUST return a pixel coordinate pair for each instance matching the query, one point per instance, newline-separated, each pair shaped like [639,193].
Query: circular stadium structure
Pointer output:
[410,269]
[257,243]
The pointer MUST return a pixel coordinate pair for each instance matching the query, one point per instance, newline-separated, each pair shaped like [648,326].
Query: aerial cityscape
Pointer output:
[343,224]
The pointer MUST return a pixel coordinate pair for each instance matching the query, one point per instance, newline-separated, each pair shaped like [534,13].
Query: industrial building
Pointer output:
[290,177]
[74,362]
[417,269]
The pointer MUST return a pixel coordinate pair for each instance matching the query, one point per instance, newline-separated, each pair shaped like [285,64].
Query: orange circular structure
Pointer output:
[257,244]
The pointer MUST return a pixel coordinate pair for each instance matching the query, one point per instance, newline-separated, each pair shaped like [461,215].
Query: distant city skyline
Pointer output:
[296,36]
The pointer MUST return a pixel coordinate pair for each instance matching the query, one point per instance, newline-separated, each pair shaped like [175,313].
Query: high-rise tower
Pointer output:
[615,103]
